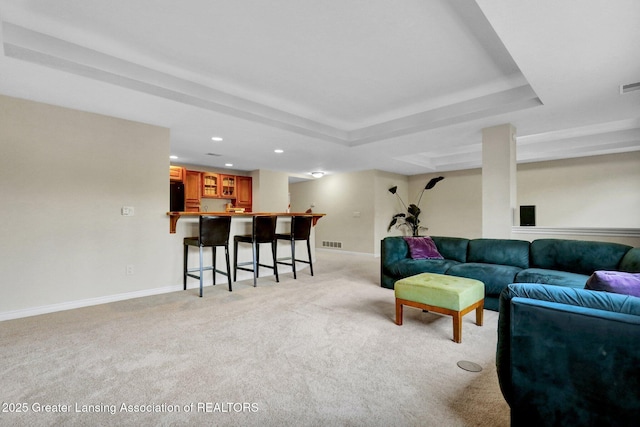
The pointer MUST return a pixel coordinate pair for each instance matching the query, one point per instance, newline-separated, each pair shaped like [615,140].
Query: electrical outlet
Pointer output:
[127,211]
[130,270]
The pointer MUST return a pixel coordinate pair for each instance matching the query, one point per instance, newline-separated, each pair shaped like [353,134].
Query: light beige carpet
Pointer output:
[316,351]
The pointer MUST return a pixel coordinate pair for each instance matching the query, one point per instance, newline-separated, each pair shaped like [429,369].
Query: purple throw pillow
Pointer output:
[617,282]
[423,248]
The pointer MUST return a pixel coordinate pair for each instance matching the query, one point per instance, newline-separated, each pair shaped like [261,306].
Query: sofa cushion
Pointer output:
[454,248]
[631,261]
[617,282]
[552,277]
[495,277]
[422,248]
[575,256]
[409,267]
[499,251]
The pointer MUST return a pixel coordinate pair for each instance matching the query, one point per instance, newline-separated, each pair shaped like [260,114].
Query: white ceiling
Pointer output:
[340,85]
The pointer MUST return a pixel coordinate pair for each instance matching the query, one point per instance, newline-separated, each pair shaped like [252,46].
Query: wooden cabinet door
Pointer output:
[176,173]
[210,185]
[192,191]
[228,189]
[244,192]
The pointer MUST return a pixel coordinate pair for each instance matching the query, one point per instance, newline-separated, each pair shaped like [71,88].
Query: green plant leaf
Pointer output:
[413,210]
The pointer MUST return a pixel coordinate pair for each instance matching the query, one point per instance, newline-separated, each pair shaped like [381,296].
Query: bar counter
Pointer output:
[175,216]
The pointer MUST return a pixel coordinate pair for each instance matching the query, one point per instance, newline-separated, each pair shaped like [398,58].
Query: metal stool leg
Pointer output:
[226,255]
[256,254]
[293,258]
[275,261]
[213,263]
[201,268]
[309,253]
[235,261]
[184,271]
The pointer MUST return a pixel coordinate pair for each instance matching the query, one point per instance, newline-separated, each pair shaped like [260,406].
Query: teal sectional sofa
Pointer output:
[500,262]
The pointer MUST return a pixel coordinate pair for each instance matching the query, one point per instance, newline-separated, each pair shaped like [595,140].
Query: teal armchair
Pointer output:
[569,357]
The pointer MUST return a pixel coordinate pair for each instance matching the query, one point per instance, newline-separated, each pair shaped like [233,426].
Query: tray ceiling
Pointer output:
[403,87]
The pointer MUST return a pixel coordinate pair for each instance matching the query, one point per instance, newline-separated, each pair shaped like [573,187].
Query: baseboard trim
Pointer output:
[70,305]
[339,251]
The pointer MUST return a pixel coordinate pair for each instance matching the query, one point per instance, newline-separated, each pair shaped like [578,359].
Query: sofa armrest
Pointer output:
[572,296]
[392,250]
[569,356]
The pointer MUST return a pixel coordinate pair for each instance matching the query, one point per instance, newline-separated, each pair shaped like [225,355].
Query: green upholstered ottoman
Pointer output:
[451,295]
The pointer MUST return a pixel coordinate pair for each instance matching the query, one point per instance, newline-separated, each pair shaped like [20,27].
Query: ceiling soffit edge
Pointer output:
[31,46]
[21,43]
[596,129]
[601,139]
[481,107]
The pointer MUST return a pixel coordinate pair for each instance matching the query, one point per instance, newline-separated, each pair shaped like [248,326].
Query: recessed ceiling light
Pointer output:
[173,157]
[277,150]
[216,138]
[317,174]
[228,164]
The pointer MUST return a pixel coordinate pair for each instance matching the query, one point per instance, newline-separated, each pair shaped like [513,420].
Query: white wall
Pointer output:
[358,207]
[341,197]
[599,191]
[454,206]
[270,191]
[588,192]
[386,205]
[64,176]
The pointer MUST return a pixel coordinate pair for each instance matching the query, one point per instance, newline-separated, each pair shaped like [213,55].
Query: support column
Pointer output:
[498,180]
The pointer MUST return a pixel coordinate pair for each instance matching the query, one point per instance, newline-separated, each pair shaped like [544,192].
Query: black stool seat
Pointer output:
[263,230]
[213,231]
[300,230]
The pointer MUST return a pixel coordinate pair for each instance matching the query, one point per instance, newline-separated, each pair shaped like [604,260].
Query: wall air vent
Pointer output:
[332,245]
[629,87]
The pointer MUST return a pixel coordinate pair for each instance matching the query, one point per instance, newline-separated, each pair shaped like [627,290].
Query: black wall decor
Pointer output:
[528,215]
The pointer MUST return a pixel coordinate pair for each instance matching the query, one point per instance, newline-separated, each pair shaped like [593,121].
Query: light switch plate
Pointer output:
[127,211]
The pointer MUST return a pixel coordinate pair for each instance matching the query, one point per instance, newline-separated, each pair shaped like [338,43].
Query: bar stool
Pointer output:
[213,231]
[263,231]
[300,230]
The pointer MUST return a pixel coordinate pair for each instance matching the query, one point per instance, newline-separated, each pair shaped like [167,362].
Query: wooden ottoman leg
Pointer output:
[480,313]
[398,312]
[457,326]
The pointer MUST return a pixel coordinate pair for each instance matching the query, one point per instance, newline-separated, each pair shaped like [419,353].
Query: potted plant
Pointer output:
[411,219]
